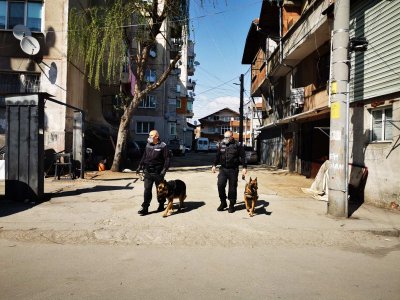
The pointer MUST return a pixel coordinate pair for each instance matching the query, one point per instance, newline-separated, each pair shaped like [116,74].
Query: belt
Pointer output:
[153,169]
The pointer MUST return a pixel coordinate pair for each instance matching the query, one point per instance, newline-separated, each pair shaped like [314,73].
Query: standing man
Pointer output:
[230,155]
[155,163]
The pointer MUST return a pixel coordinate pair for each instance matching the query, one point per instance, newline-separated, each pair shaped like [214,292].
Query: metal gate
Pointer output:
[25,147]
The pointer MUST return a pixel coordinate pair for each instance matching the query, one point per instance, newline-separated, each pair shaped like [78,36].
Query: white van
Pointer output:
[202,144]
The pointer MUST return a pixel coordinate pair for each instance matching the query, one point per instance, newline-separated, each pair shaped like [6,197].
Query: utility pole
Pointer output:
[241,110]
[338,146]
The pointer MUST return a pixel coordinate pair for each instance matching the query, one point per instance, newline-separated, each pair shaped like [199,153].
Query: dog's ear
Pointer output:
[255,179]
[250,179]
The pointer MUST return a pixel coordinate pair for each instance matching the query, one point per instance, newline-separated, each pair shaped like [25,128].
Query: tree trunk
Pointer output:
[121,141]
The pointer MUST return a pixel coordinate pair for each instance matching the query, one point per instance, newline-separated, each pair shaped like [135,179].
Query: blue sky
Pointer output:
[219,32]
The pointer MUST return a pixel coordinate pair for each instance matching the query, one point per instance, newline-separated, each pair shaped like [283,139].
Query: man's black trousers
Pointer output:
[231,176]
[149,179]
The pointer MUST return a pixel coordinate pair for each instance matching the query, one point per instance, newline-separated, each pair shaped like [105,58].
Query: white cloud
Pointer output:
[204,106]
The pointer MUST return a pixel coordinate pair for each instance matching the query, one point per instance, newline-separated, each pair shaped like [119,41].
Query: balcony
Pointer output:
[191,69]
[190,96]
[258,74]
[190,49]
[191,84]
[310,32]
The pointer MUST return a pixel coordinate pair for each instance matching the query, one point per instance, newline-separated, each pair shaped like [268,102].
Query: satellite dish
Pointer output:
[196,63]
[21,31]
[30,45]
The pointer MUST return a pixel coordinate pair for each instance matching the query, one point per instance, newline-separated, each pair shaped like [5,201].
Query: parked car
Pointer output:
[213,147]
[251,155]
[201,144]
[176,147]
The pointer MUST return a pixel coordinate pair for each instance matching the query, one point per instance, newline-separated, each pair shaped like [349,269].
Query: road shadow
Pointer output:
[260,208]
[95,189]
[356,193]
[190,169]
[10,207]
[188,206]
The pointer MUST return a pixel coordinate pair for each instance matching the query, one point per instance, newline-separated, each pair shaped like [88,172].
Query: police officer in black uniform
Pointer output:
[230,155]
[155,163]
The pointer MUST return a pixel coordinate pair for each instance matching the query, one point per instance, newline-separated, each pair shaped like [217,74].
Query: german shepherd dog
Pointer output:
[170,190]
[250,194]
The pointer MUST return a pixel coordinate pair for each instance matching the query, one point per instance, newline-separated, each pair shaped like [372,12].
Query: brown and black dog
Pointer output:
[250,194]
[170,190]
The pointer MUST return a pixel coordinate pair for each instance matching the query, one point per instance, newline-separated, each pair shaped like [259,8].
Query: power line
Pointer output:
[213,88]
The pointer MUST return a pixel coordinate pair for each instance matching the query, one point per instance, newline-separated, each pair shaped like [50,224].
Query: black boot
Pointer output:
[222,206]
[144,211]
[160,207]
[231,208]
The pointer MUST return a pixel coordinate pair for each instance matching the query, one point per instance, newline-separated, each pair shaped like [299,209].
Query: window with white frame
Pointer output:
[224,128]
[172,128]
[381,126]
[144,127]
[28,13]
[148,102]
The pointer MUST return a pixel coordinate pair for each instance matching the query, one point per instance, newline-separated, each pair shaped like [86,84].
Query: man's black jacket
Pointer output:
[230,155]
[155,157]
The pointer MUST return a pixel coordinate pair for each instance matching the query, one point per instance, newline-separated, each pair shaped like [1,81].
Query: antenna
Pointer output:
[30,45]
[21,31]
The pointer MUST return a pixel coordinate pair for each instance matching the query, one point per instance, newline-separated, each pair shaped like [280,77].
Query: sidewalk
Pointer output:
[102,208]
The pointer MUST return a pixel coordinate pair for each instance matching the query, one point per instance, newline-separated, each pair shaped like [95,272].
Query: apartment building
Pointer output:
[168,107]
[213,126]
[289,48]
[44,72]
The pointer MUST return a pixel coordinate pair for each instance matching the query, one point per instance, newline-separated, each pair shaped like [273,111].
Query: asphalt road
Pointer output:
[88,242]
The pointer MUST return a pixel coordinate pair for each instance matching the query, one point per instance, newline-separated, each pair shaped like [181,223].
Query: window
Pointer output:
[34,16]
[172,128]
[224,128]
[28,13]
[190,106]
[3,10]
[216,118]
[178,103]
[151,75]
[381,126]
[19,83]
[144,127]
[148,102]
